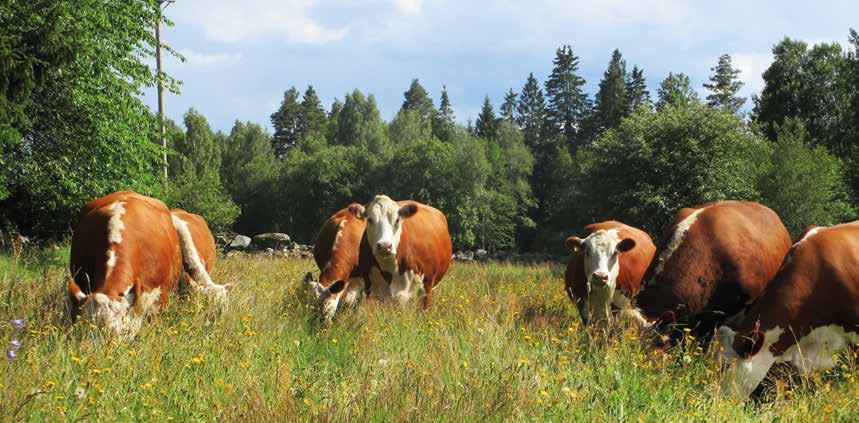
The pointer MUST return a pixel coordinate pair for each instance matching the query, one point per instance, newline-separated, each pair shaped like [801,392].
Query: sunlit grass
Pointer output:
[501,343]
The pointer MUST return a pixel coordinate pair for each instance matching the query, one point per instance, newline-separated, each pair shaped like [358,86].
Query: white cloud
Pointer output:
[206,59]
[234,21]
[751,66]
[602,13]
[408,7]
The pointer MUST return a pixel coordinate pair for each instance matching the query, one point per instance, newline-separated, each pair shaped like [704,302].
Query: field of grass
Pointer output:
[502,343]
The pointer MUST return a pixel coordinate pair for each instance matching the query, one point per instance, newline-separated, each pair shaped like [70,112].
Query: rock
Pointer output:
[240,242]
[274,240]
[481,254]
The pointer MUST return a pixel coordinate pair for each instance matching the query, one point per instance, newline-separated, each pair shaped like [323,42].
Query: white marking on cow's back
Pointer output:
[789,257]
[202,282]
[815,350]
[677,239]
[337,237]
[115,226]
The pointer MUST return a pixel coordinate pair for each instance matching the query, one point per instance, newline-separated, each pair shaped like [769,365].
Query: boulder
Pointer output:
[273,240]
[240,242]
[481,254]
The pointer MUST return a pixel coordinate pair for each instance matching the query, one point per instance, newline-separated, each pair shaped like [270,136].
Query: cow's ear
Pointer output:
[748,344]
[336,287]
[357,210]
[625,245]
[574,244]
[408,210]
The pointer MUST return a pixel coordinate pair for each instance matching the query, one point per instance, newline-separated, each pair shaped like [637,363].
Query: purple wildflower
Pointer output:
[15,344]
[18,323]
[11,355]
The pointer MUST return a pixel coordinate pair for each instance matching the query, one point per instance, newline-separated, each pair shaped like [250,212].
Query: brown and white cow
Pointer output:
[125,260]
[606,268]
[407,245]
[715,259]
[198,253]
[809,311]
[336,253]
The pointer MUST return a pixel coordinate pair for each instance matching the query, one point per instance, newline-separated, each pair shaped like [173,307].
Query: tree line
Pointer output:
[550,160]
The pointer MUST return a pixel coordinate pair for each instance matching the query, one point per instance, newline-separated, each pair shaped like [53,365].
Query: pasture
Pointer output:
[503,343]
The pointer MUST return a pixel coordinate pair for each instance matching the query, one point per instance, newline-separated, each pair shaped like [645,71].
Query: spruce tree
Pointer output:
[333,121]
[610,105]
[313,118]
[445,120]
[508,109]
[567,103]
[286,122]
[725,84]
[675,89]
[486,126]
[636,91]
[531,113]
[416,98]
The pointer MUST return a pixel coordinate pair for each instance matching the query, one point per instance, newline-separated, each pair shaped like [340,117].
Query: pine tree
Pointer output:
[725,85]
[636,91]
[675,89]
[313,118]
[445,120]
[567,103]
[486,126]
[531,112]
[286,122]
[333,119]
[416,98]
[610,105]
[508,109]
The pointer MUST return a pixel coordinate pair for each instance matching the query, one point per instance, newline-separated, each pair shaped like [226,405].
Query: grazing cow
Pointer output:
[712,261]
[198,253]
[809,311]
[336,253]
[406,248]
[606,268]
[125,259]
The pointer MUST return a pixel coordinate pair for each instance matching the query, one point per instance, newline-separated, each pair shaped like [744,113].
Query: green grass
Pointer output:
[502,343]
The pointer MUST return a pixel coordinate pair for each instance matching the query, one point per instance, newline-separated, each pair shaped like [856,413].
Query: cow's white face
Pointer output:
[601,251]
[748,357]
[384,224]
[121,317]
[326,297]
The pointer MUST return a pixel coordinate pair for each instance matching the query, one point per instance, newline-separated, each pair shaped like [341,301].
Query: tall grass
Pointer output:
[501,343]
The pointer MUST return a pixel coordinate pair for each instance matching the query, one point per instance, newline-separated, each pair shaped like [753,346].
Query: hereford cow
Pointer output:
[125,259]
[807,313]
[336,253]
[198,253]
[406,248]
[606,268]
[712,261]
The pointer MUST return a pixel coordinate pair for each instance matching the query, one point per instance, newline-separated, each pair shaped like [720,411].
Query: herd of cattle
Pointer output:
[725,268]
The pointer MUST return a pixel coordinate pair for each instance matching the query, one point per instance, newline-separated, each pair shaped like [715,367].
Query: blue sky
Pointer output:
[242,55]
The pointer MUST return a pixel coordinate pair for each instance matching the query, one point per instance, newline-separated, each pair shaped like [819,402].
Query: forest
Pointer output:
[539,162]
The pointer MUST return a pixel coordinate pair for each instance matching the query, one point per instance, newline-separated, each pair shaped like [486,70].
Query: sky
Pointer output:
[242,55]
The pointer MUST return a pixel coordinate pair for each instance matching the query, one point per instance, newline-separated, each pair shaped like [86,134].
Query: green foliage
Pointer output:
[610,102]
[805,185]
[249,174]
[724,85]
[508,108]
[636,91]
[286,122]
[417,98]
[654,163]
[676,89]
[444,122]
[195,177]
[486,126]
[407,127]
[359,123]
[531,114]
[567,103]
[71,124]
[313,121]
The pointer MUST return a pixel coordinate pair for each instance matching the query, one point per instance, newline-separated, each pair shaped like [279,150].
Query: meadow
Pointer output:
[502,343]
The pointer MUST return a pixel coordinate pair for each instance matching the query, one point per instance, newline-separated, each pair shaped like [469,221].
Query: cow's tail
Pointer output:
[200,279]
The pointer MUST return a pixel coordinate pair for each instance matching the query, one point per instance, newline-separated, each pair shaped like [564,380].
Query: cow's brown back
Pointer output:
[425,246]
[728,255]
[202,236]
[342,262]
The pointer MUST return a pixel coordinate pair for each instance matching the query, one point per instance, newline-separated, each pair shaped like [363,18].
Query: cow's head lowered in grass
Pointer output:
[600,251]
[384,224]
[328,297]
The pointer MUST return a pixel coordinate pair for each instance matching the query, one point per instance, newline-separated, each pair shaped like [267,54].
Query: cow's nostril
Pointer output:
[601,276]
